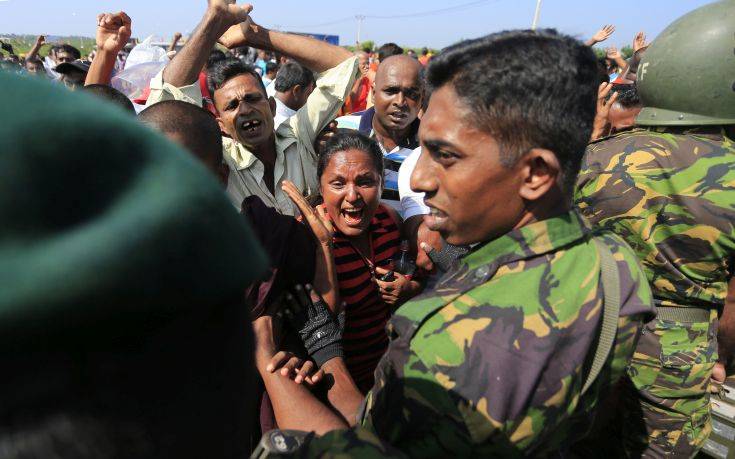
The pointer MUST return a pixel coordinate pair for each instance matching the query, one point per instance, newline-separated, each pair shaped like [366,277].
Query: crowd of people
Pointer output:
[279,247]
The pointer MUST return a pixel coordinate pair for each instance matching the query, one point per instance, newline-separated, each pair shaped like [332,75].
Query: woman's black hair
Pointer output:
[350,140]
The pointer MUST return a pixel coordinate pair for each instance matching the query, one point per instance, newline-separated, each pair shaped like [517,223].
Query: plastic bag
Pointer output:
[144,62]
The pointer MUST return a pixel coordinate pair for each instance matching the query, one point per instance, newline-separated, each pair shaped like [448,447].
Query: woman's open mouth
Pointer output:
[353,216]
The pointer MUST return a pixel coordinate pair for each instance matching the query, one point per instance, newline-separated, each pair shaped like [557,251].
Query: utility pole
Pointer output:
[536,15]
[359,18]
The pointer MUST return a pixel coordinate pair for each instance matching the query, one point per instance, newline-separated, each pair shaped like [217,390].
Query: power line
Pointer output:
[322,24]
[461,7]
[358,17]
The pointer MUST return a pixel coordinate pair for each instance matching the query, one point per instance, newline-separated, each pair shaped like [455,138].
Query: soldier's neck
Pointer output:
[551,205]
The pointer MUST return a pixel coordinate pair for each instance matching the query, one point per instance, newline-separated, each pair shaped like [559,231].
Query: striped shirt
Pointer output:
[365,340]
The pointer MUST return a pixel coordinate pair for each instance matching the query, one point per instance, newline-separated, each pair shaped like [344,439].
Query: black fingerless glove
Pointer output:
[319,329]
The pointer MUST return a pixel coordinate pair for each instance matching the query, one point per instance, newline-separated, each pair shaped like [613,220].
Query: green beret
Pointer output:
[106,228]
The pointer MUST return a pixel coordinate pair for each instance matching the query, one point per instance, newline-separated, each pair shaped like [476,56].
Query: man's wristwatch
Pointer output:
[280,443]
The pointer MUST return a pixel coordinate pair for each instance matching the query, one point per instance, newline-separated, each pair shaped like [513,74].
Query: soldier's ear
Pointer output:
[540,173]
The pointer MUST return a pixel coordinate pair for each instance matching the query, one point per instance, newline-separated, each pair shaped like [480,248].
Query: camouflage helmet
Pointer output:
[687,75]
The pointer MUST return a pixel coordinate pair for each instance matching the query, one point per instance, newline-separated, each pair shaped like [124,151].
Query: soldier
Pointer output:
[509,353]
[122,271]
[668,189]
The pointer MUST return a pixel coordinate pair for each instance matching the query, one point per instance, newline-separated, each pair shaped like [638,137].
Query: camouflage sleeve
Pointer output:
[586,178]
[357,442]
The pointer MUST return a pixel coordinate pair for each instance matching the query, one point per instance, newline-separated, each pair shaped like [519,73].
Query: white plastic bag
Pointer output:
[144,62]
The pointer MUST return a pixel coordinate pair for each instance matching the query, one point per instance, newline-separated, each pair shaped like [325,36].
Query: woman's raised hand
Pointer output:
[317,218]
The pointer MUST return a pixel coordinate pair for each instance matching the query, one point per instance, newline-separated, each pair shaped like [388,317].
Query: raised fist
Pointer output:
[230,13]
[113,31]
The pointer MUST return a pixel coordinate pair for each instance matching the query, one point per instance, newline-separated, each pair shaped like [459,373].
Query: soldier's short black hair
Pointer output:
[112,95]
[229,68]
[388,50]
[290,74]
[528,89]
[197,128]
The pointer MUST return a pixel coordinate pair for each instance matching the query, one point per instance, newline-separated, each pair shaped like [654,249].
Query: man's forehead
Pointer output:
[445,117]
[399,78]
[395,69]
[239,86]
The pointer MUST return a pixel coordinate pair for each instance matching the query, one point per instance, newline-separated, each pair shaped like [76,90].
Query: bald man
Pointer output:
[192,127]
[393,119]
[397,93]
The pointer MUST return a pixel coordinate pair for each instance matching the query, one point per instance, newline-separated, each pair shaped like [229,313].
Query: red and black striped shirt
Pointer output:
[365,340]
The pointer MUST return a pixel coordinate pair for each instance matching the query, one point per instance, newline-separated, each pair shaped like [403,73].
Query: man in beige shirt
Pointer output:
[259,157]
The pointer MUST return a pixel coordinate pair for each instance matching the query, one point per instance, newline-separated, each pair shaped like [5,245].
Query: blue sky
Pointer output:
[164,17]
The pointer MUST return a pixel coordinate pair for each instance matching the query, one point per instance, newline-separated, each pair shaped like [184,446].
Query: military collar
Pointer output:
[484,262]
[529,241]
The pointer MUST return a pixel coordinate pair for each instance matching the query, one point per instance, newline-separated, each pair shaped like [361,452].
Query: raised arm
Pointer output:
[601,35]
[294,406]
[639,41]
[314,54]
[113,32]
[325,278]
[614,55]
[40,41]
[185,67]
[601,125]
[174,42]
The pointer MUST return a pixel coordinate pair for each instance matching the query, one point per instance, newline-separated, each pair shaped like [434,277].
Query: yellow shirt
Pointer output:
[295,156]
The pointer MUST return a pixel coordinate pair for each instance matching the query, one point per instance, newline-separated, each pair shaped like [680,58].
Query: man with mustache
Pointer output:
[259,157]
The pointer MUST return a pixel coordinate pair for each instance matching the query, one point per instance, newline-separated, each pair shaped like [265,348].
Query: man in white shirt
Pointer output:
[412,202]
[293,85]
[271,68]
[259,157]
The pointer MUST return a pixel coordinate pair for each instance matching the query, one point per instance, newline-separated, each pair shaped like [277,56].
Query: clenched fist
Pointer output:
[113,31]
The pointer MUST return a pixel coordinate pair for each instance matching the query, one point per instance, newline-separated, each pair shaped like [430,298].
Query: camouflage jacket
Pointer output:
[492,362]
[670,194]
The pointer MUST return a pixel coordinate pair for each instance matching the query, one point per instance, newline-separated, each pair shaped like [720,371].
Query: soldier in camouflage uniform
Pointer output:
[496,359]
[668,189]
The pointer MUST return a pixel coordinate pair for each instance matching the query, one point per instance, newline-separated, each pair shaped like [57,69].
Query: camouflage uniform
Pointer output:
[492,361]
[670,193]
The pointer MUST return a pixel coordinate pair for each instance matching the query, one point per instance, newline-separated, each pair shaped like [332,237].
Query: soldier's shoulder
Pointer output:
[613,241]
[632,132]
[622,252]
[623,137]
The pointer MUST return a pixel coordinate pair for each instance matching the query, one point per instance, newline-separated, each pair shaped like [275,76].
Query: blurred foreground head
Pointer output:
[123,267]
